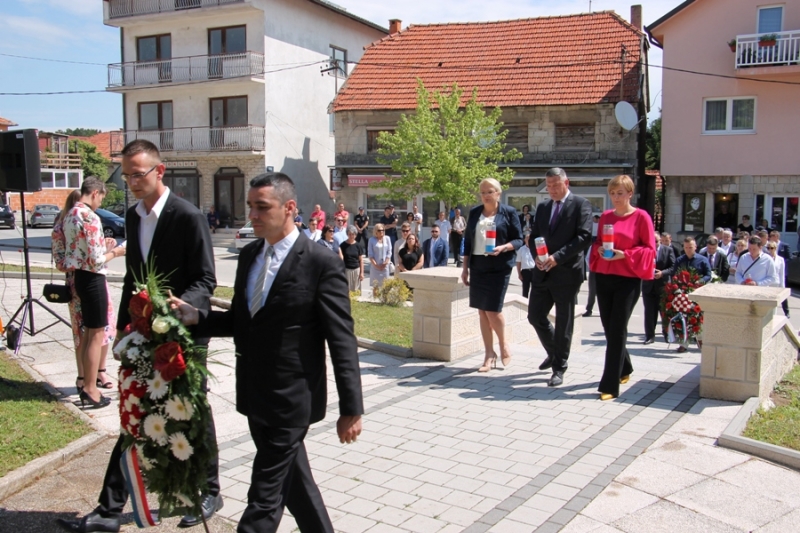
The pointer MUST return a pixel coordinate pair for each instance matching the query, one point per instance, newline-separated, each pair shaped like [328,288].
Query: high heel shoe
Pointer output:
[488,364]
[624,379]
[79,387]
[97,404]
[100,384]
[604,396]
[505,357]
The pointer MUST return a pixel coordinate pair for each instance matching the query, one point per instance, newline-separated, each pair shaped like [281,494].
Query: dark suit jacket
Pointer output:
[437,256]
[784,251]
[568,243]
[677,248]
[280,368]
[665,258]
[181,251]
[720,266]
[508,231]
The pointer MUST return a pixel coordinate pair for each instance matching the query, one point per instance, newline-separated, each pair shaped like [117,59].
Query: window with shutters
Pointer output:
[574,137]
[517,137]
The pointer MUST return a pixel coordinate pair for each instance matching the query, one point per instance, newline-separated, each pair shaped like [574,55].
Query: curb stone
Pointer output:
[732,438]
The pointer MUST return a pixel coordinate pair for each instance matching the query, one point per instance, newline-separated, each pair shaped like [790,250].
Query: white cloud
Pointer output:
[35,27]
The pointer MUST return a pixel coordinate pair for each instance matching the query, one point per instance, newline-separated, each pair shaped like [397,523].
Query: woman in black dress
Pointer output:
[411,256]
[487,269]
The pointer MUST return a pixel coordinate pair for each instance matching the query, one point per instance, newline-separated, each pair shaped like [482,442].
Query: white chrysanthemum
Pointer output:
[176,409]
[158,386]
[180,446]
[144,462]
[160,325]
[137,338]
[133,353]
[155,427]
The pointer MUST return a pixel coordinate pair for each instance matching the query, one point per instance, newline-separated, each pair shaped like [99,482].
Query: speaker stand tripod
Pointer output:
[26,322]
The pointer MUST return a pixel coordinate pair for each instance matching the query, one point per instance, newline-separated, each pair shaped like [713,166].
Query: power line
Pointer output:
[53,60]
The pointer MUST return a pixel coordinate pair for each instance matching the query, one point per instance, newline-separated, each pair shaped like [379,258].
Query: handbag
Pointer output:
[57,293]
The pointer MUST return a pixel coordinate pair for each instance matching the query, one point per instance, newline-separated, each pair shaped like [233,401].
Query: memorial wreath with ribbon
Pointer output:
[682,318]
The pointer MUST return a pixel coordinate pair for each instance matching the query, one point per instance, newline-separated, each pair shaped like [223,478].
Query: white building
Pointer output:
[229,88]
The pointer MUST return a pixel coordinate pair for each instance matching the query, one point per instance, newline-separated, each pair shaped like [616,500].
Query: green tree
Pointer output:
[653,145]
[79,132]
[93,162]
[445,149]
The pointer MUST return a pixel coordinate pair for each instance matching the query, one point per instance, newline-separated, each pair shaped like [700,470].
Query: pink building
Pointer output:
[731,114]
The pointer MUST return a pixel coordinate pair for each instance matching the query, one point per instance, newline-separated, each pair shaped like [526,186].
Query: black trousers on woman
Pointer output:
[616,297]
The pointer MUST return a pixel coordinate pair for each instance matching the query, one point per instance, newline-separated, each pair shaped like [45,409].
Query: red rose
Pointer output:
[670,297]
[669,305]
[142,326]
[141,306]
[169,360]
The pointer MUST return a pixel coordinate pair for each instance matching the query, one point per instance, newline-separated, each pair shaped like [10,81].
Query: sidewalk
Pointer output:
[446,449]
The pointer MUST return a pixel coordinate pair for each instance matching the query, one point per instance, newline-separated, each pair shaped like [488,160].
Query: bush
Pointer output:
[394,292]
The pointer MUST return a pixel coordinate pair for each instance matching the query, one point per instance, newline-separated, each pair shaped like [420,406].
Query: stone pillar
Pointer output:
[747,347]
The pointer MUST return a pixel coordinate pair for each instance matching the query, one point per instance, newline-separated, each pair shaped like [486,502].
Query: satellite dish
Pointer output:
[626,115]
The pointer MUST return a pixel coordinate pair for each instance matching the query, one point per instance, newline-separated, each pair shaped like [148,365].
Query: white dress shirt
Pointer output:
[762,272]
[553,210]
[148,222]
[313,236]
[279,252]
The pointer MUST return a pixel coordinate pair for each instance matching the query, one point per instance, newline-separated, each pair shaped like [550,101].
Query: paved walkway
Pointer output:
[446,449]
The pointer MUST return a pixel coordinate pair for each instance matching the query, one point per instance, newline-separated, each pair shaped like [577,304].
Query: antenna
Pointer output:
[626,115]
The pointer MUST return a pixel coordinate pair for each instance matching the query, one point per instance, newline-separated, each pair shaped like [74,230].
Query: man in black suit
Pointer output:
[652,290]
[290,297]
[717,259]
[565,222]
[677,249]
[172,234]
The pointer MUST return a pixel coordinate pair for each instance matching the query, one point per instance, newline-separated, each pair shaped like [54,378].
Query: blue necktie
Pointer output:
[554,218]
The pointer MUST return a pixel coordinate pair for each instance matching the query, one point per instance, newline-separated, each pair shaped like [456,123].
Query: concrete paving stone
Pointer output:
[550,440]
[347,470]
[432,491]
[698,457]
[470,446]
[585,468]
[391,441]
[523,445]
[616,501]
[402,484]
[367,491]
[545,503]
[594,459]
[423,524]
[360,506]
[340,483]
[705,429]
[782,524]
[736,506]
[574,479]
[584,524]
[407,470]
[493,439]
[464,483]
[439,464]
[238,491]
[353,524]
[526,515]
[428,507]
[764,478]
[442,452]
[550,451]
[499,478]
[392,515]
[656,477]
[412,458]
[385,528]
[666,517]
[460,516]
[559,491]
[379,463]
[463,499]
[233,508]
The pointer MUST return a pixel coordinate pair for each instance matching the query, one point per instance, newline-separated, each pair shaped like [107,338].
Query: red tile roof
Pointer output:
[6,122]
[572,59]
[101,140]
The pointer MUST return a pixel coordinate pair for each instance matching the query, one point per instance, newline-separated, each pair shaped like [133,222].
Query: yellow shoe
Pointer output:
[605,396]
[624,379]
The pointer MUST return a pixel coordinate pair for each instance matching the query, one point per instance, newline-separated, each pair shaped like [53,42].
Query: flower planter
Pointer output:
[732,47]
[764,44]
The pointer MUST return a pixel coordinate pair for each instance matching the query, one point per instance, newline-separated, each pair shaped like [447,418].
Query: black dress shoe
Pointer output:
[649,341]
[587,314]
[556,379]
[547,363]
[210,505]
[91,522]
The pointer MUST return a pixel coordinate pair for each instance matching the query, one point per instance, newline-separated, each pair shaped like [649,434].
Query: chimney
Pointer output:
[636,17]
[395,25]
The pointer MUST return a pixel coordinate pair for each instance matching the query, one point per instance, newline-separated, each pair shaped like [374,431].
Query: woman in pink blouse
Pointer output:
[619,278]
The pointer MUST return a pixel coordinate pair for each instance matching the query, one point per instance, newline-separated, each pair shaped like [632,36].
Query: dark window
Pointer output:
[517,137]
[339,60]
[155,116]
[227,40]
[154,48]
[372,140]
[574,137]
[184,183]
[231,111]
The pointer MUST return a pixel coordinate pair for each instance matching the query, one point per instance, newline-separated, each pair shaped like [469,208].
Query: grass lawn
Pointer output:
[5,267]
[781,424]
[32,422]
[376,322]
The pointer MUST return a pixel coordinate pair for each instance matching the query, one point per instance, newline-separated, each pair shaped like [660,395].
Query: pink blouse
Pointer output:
[85,242]
[633,234]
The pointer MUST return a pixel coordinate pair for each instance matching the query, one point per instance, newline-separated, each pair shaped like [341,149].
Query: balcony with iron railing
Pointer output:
[198,139]
[115,9]
[243,65]
[753,51]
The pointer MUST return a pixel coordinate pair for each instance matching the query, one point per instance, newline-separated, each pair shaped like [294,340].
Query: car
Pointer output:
[113,224]
[117,209]
[43,215]
[244,236]
[7,217]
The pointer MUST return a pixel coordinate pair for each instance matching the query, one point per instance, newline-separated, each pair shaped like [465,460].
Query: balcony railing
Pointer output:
[785,51]
[130,8]
[59,161]
[201,139]
[186,69]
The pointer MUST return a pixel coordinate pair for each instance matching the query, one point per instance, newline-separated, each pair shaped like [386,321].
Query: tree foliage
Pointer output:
[444,149]
[653,145]
[79,132]
[93,162]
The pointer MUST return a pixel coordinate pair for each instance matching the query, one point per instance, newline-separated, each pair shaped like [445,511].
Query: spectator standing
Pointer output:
[435,249]
[717,260]
[340,230]
[411,255]
[379,252]
[444,225]
[653,290]
[756,268]
[780,272]
[342,213]
[312,232]
[298,220]
[328,242]
[353,255]
[733,258]
[457,235]
[691,259]
[725,246]
[525,266]
[677,249]
[416,221]
[319,214]
[745,225]
[405,229]
[389,221]
[361,221]
[782,247]
[213,219]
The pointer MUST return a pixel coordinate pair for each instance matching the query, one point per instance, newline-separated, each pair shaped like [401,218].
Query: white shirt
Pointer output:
[553,211]
[780,270]
[313,236]
[524,258]
[149,221]
[279,252]
[725,248]
[763,272]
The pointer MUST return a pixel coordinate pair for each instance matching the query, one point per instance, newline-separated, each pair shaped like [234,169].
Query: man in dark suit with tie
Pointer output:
[290,298]
[565,222]
[652,290]
[717,260]
[435,249]
[173,235]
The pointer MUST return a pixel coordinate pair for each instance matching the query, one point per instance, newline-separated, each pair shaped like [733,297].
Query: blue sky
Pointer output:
[73,30]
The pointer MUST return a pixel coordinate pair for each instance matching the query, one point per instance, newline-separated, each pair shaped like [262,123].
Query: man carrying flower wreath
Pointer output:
[290,299]
[690,271]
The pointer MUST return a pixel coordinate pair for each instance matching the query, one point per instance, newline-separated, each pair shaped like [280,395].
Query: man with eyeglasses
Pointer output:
[173,235]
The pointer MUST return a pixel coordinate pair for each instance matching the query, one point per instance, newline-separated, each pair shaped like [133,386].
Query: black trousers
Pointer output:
[526,281]
[556,340]
[616,297]
[651,299]
[455,245]
[114,493]
[282,478]
[785,306]
[592,292]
